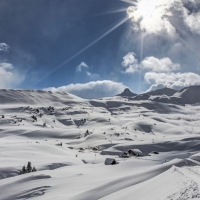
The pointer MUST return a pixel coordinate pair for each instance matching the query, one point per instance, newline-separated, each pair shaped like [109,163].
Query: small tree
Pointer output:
[44,124]
[23,171]
[34,169]
[29,167]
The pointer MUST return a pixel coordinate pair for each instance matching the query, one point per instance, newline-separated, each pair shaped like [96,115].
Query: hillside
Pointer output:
[188,95]
[68,140]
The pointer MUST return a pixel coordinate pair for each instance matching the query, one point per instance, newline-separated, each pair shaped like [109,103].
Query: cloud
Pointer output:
[90,90]
[83,70]
[191,16]
[130,63]
[9,76]
[92,76]
[160,73]
[160,16]
[4,47]
[82,66]
[171,80]
[150,16]
[159,65]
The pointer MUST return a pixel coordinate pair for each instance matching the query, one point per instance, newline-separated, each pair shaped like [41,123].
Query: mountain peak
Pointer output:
[127,93]
[127,90]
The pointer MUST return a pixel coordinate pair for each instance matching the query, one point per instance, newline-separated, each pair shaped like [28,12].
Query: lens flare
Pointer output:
[84,49]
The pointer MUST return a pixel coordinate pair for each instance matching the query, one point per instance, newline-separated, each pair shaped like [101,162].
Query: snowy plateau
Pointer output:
[133,147]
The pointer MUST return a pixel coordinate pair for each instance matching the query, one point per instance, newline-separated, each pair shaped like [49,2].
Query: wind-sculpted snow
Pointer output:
[67,139]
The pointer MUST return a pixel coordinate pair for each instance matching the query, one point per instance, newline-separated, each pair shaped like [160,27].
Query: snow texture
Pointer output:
[76,145]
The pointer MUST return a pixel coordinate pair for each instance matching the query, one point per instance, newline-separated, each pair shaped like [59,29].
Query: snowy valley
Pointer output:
[123,147]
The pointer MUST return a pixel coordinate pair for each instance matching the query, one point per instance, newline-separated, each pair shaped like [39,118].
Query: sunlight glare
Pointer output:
[151,15]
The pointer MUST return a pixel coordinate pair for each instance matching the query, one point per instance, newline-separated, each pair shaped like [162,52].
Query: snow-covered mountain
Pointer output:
[127,93]
[73,142]
[34,97]
[164,91]
[188,95]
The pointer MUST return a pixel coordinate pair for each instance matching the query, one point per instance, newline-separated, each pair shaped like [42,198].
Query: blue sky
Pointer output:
[99,47]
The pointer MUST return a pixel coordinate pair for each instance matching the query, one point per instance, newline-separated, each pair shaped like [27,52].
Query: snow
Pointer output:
[110,161]
[136,152]
[69,153]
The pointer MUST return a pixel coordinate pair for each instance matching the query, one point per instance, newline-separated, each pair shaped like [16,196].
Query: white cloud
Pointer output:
[130,63]
[82,66]
[4,47]
[159,65]
[193,22]
[150,17]
[191,19]
[171,80]
[9,76]
[178,22]
[159,73]
[92,76]
[83,69]
[156,16]
[95,89]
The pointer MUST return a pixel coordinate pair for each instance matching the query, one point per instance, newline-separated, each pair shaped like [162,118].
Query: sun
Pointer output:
[145,8]
[150,15]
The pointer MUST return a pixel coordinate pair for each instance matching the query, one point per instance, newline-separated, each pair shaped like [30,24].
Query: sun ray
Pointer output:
[189,46]
[141,57]
[111,12]
[185,42]
[84,49]
[130,2]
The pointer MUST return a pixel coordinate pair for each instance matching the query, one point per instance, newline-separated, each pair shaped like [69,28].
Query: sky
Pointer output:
[96,48]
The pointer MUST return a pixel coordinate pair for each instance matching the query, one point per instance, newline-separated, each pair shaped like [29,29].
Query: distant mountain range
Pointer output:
[187,95]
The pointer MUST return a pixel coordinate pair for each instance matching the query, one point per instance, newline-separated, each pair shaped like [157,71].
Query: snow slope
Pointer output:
[33,124]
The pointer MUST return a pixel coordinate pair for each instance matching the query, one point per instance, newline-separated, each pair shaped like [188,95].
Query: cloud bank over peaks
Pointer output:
[159,73]
[90,90]
[171,80]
